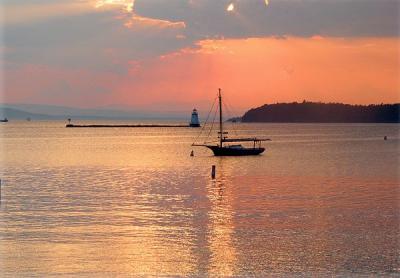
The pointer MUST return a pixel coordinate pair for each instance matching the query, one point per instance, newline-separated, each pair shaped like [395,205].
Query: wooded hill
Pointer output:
[324,113]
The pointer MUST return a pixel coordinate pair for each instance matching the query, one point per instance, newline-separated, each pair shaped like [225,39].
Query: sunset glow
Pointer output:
[204,138]
[176,59]
[273,70]
[230,7]
[270,70]
[127,4]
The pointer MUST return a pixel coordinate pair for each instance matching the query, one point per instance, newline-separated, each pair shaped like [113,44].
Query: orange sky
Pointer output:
[107,53]
[257,71]
[251,72]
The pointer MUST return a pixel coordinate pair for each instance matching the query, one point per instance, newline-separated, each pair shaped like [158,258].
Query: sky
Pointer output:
[173,55]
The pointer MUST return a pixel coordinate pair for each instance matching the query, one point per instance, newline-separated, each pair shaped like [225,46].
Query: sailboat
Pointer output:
[224,149]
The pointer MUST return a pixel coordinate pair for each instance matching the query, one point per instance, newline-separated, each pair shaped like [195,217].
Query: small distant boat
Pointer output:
[5,120]
[222,149]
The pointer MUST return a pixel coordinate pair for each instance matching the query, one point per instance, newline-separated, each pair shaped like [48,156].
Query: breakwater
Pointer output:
[138,125]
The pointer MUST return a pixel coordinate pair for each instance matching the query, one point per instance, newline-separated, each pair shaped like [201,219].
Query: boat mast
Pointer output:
[220,117]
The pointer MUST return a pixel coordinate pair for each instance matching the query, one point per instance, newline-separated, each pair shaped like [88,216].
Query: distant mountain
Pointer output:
[37,111]
[324,113]
[11,113]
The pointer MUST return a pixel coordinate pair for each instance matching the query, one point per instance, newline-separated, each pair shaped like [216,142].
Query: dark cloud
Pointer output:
[98,39]
[95,39]
[252,18]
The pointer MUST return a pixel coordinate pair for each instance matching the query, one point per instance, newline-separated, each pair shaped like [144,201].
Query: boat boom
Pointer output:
[245,139]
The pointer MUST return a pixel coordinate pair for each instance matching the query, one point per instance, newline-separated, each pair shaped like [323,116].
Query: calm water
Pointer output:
[322,200]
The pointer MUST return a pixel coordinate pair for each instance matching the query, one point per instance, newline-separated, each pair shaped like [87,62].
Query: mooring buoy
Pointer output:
[213,172]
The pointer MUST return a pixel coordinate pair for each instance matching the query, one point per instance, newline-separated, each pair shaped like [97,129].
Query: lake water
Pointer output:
[322,200]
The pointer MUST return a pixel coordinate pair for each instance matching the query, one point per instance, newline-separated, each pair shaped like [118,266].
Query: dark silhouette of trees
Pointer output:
[324,113]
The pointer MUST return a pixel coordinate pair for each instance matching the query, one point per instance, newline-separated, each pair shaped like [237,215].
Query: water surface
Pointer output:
[322,200]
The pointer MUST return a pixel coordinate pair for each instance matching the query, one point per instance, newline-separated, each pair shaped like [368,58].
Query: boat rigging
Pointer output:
[221,149]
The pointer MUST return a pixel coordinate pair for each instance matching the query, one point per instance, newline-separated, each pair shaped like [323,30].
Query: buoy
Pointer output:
[213,172]
[385,138]
[192,153]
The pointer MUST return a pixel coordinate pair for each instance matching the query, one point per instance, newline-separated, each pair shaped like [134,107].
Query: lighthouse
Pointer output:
[194,121]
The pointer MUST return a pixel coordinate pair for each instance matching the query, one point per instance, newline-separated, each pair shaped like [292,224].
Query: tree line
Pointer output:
[324,112]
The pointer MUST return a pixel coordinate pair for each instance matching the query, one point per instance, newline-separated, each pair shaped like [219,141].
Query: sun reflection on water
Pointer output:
[221,226]
[104,202]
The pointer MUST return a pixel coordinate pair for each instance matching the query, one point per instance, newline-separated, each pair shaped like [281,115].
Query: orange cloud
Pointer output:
[127,4]
[139,21]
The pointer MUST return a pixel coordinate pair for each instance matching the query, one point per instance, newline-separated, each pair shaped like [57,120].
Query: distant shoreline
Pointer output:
[313,112]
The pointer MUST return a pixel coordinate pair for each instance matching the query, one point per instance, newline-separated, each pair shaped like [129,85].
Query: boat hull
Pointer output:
[226,151]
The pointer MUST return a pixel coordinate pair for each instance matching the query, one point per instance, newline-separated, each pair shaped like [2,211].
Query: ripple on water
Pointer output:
[98,203]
